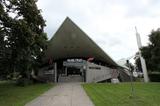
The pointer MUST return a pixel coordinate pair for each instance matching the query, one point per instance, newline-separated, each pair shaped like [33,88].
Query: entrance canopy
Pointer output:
[71,42]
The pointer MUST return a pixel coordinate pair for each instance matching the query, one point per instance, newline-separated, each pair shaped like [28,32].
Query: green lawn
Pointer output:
[11,95]
[120,94]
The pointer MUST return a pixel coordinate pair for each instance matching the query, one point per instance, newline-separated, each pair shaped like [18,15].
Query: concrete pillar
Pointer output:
[143,63]
[66,71]
[144,68]
[55,72]
[85,73]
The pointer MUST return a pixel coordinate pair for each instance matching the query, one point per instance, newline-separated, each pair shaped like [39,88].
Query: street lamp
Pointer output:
[131,77]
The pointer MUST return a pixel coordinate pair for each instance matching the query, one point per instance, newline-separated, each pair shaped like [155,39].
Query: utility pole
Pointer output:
[143,63]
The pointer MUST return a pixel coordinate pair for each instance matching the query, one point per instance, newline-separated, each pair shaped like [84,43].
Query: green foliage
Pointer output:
[152,52]
[24,82]
[154,77]
[138,64]
[22,36]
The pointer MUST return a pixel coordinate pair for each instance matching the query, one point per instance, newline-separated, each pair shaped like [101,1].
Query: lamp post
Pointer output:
[131,77]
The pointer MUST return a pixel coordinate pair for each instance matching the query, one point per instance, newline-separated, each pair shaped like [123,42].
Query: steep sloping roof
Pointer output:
[71,42]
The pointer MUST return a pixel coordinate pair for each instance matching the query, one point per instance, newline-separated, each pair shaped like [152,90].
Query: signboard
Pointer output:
[135,74]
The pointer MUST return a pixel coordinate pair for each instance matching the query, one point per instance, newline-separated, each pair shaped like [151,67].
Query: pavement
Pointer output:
[63,94]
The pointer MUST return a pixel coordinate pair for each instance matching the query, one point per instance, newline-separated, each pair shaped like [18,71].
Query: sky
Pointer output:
[110,23]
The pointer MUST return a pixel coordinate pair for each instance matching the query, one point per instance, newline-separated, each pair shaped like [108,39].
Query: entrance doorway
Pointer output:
[71,71]
[72,74]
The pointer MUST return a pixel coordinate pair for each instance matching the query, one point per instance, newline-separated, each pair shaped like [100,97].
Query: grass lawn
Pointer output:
[120,94]
[12,95]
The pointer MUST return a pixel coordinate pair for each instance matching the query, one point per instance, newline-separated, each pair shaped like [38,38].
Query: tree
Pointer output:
[23,37]
[4,44]
[151,53]
[138,64]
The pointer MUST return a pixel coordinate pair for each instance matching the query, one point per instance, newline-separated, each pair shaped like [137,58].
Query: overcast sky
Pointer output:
[110,23]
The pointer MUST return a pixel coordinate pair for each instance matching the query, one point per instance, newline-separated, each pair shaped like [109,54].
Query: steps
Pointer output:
[70,78]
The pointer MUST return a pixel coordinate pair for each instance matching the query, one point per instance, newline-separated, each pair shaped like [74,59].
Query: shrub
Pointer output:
[154,77]
[24,82]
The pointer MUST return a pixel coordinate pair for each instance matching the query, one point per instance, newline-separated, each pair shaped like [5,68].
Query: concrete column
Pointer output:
[144,68]
[81,70]
[66,71]
[85,71]
[55,72]
[143,63]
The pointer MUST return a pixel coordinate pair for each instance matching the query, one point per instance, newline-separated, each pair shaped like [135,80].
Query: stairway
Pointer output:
[70,78]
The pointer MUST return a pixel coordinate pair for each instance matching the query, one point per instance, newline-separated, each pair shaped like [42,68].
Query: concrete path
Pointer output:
[63,94]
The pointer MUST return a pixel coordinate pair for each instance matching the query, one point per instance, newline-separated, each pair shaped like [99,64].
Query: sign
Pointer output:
[135,74]
[90,59]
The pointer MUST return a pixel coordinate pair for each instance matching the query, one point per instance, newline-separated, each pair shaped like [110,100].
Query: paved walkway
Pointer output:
[64,94]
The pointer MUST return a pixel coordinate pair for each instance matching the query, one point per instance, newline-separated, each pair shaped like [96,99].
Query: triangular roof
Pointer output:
[71,42]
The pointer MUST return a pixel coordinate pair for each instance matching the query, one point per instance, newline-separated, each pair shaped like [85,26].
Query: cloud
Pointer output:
[110,23]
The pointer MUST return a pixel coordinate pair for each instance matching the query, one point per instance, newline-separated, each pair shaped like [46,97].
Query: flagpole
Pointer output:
[143,63]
